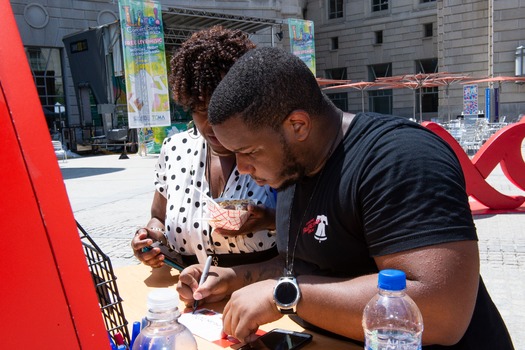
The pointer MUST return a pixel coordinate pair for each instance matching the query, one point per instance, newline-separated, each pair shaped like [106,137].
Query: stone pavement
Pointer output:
[111,198]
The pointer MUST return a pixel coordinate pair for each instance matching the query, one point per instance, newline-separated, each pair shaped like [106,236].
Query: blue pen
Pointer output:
[203,279]
[134,333]
[112,343]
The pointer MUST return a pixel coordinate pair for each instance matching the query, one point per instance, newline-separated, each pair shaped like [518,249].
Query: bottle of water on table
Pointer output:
[391,319]
[163,330]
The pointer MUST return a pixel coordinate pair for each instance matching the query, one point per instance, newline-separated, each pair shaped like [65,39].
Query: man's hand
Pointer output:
[214,289]
[249,308]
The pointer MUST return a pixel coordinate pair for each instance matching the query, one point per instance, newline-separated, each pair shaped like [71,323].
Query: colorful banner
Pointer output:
[144,64]
[470,100]
[150,139]
[302,41]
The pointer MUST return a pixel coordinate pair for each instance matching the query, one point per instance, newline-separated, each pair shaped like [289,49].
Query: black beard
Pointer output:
[292,171]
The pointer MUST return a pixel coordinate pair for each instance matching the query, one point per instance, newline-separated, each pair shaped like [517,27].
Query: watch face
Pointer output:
[285,293]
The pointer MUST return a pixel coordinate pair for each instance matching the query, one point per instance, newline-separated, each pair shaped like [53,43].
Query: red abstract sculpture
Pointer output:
[503,147]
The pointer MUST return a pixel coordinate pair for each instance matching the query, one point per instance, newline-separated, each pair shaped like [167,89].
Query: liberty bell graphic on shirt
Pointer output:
[320,233]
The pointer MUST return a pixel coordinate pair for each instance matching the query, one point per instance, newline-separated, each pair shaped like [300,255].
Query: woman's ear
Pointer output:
[297,125]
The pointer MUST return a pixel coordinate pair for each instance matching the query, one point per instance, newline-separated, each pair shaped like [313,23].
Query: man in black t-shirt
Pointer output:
[357,194]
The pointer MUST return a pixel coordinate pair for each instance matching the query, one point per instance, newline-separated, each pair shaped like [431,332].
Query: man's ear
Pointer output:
[297,125]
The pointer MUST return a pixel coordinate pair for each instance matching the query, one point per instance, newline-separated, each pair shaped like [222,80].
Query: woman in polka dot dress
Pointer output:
[194,163]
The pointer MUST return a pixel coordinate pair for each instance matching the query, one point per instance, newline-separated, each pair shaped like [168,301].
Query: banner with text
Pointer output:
[302,41]
[144,64]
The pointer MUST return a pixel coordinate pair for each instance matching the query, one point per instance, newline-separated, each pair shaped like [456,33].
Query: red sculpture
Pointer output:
[503,147]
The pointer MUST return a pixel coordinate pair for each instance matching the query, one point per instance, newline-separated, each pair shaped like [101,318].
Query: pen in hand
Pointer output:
[203,279]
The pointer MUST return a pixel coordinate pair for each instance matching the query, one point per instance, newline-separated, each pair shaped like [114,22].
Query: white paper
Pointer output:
[204,323]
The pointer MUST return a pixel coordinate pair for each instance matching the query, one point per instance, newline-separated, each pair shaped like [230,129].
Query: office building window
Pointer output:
[379,5]
[379,37]
[380,101]
[335,9]
[334,43]
[340,100]
[336,73]
[430,95]
[428,30]
[46,66]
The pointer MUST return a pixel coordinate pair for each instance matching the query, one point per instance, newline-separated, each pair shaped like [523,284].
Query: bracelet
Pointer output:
[150,228]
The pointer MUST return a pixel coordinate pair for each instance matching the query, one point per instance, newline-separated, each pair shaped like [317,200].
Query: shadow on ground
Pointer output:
[74,173]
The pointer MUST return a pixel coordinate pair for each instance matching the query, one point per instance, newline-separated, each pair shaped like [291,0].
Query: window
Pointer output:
[379,37]
[46,67]
[379,5]
[428,30]
[380,101]
[336,73]
[340,100]
[424,1]
[430,95]
[334,43]
[335,9]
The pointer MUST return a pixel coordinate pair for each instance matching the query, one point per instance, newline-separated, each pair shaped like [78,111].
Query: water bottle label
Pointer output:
[392,340]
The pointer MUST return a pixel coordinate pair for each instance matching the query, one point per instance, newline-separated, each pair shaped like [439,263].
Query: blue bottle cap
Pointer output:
[392,280]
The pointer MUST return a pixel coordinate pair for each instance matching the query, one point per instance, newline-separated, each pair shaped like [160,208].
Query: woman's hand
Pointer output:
[144,238]
[261,218]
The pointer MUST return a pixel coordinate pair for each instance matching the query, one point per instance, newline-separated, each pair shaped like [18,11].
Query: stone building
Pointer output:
[354,39]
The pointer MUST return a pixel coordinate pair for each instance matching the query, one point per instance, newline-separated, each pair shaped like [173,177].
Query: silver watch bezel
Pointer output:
[291,307]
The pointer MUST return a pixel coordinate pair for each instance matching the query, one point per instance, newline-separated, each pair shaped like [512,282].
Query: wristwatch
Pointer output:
[286,295]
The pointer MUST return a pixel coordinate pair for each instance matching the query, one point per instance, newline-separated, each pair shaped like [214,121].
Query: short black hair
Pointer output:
[200,63]
[263,87]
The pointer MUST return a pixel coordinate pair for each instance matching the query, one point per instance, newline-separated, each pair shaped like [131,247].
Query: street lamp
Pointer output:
[519,57]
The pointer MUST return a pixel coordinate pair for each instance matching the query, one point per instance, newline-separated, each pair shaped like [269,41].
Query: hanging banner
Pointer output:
[470,100]
[302,41]
[144,64]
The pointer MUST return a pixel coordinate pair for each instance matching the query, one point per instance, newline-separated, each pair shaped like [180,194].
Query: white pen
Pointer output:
[204,275]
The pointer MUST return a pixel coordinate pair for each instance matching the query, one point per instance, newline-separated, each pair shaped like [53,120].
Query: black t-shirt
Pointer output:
[390,186]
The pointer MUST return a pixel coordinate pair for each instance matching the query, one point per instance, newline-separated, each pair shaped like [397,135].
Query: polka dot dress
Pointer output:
[181,168]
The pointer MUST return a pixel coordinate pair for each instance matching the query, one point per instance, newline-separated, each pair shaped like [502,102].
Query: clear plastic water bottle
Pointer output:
[163,330]
[391,319]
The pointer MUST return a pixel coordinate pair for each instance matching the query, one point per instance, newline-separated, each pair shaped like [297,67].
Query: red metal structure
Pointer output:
[504,147]
[48,298]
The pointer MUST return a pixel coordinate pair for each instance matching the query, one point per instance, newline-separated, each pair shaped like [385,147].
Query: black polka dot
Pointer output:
[178,229]
[184,241]
[184,140]
[177,188]
[182,209]
[179,158]
[183,170]
[199,246]
[173,177]
[195,153]
[161,189]
[184,219]
[205,232]
[188,151]
[260,244]
[238,188]
[182,250]
[171,207]
[166,158]
[196,225]
[202,164]
[173,148]
[199,184]
[197,204]
[217,244]
[232,245]
[188,200]
[250,235]
[250,193]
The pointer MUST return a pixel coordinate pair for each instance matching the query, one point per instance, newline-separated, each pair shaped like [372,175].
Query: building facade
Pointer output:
[354,39]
